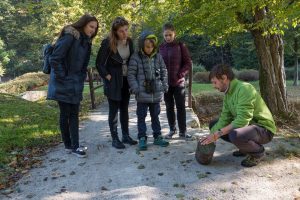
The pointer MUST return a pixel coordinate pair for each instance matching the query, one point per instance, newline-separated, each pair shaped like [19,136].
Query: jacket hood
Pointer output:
[148,35]
[73,31]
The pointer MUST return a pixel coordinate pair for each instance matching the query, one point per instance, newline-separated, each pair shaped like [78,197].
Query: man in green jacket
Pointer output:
[245,119]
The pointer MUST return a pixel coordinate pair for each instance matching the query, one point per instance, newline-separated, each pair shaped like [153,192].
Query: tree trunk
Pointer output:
[296,71]
[272,83]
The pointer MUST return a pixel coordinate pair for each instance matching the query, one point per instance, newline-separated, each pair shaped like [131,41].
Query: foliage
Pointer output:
[25,82]
[248,75]
[201,77]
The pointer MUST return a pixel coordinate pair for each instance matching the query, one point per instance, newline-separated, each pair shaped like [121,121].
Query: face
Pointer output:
[169,36]
[122,33]
[220,84]
[90,28]
[148,47]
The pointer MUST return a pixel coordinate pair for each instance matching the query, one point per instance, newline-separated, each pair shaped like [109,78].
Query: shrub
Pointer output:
[24,83]
[201,77]
[248,75]
[198,68]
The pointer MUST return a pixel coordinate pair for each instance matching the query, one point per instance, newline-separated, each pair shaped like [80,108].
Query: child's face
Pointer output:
[169,36]
[148,47]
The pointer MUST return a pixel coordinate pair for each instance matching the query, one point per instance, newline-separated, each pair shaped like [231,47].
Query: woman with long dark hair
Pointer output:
[69,61]
[112,63]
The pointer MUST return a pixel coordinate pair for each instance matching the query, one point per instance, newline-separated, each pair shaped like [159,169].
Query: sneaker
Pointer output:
[250,161]
[160,141]
[142,144]
[185,135]
[170,134]
[238,153]
[79,153]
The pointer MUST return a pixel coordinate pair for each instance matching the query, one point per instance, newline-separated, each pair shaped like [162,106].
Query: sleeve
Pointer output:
[186,61]
[59,53]
[225,118]
[132,75]
[163,74]
[102,57]
[245,106]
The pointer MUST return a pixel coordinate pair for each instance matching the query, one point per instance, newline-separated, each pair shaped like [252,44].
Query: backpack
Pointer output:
[47,51]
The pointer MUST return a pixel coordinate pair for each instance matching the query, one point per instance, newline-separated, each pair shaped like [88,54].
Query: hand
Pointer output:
[108,77]
[208,139]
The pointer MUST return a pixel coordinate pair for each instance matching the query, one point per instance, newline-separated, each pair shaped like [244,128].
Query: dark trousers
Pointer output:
[114,107]
[248,139]
[142,109]
[69,124]
[178,94]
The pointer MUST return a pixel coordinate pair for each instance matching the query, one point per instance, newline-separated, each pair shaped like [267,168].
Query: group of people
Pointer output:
[151,72]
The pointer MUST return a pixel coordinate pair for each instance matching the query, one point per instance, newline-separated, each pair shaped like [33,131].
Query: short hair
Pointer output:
[168,26]
[221,69]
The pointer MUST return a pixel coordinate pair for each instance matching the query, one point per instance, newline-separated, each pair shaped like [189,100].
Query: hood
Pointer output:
[147,35]
[73,31]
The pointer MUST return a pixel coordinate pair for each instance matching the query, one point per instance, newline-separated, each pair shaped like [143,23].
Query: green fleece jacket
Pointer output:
[242,106]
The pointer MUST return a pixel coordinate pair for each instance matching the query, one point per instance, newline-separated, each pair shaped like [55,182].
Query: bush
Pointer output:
[201,77]
[289,73]
[198,68]
[248,75]
[24,83]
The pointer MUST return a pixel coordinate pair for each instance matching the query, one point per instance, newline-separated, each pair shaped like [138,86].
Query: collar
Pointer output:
[232,86]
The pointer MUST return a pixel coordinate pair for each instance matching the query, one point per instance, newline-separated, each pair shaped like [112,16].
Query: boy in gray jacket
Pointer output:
[147,78]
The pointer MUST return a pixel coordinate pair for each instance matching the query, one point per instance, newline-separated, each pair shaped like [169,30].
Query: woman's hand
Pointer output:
[108,77]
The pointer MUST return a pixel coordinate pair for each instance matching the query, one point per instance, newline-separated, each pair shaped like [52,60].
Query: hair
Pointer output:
[82,22]
[221,69]
[168,26]
[113,37]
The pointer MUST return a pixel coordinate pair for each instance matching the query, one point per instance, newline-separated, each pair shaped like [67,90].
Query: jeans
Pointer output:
[178,94]
[142,109]
[114,107]
[69,124]
[248,139]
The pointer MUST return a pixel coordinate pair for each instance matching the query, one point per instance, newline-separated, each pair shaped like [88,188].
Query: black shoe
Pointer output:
[79,153]
[170,134]
[251,161]
[238,153]
[185,135]
[128,140]
[118,144]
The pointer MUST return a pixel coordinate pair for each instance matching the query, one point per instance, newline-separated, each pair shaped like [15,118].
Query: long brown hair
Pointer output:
[82,22]
[113,37]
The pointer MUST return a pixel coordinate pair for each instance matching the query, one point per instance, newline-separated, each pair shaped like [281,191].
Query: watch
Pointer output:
[220,132]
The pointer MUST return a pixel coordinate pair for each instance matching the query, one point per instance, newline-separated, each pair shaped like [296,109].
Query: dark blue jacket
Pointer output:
[69,62]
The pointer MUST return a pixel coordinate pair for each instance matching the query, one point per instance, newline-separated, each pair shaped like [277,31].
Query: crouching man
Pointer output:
[245,120]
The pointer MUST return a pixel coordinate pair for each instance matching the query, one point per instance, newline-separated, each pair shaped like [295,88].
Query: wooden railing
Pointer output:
[98,79]
[92,87]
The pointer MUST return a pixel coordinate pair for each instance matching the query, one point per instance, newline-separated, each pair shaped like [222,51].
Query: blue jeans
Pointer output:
[142,109]
[69,124]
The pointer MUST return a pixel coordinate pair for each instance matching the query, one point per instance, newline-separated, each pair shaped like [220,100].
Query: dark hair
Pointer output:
[168,26]
[82,22]
[221,69]
[113,37]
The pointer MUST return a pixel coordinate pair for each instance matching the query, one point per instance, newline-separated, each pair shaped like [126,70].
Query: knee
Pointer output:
[236,138]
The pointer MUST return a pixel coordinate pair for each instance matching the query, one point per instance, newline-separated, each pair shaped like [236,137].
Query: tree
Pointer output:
[265,20]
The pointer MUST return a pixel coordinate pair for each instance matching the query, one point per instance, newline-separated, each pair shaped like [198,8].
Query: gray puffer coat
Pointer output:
[142,67]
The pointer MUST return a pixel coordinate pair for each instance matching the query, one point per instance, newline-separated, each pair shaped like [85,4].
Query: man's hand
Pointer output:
[209,139]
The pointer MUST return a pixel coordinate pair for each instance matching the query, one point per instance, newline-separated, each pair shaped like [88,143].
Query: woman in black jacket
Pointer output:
[112,62]
[69,61]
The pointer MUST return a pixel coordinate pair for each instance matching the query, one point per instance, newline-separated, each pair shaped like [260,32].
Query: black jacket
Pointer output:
[69,62]
[109,62]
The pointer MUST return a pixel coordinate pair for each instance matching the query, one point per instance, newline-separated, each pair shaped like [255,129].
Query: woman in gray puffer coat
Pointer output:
[147,78]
